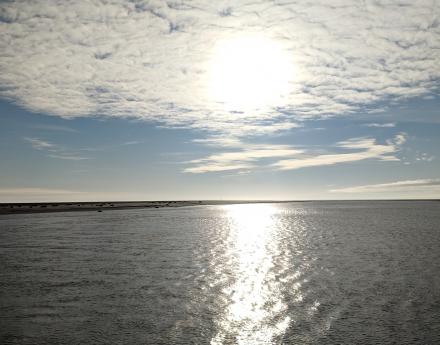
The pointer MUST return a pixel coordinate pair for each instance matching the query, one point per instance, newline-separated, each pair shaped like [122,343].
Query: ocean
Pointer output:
[347,272]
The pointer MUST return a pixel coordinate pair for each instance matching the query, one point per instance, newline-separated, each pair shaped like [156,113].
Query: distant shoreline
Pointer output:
[48,207]
[99,206]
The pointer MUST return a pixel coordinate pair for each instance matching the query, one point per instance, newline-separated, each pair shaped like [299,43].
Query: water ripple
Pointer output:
[301,273]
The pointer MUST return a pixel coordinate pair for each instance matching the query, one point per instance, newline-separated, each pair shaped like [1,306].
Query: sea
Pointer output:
[330,272]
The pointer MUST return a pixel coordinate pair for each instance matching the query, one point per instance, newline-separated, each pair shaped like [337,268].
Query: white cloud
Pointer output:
[400,139]
[365,148]
[149,59]
[242,159]
[381,125]
[399,186]
[222,141]
[242,156]
[216,167]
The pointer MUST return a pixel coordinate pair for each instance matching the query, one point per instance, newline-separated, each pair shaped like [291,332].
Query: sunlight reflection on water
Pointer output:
[256,314]
[322,273]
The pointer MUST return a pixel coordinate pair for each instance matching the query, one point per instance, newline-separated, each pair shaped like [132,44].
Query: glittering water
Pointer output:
[298,273]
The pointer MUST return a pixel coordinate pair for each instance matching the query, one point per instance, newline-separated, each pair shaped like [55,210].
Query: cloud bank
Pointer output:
[150,59]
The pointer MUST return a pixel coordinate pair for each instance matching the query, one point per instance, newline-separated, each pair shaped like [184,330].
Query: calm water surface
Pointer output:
[298,273]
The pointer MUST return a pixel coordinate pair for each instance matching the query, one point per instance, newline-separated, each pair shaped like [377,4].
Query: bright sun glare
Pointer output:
[249,73]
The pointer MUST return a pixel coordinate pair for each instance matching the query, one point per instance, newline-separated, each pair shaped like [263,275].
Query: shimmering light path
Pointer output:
[255,315]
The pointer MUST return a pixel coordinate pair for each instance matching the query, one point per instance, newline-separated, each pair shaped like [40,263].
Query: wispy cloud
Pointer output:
[87,58]
[242,156]
[381,125]
[54,150]
[220,141]
[212,166]
[365,148]
[39,144]
[55,128]
[68,157]
[242,159]
[61,152]
[407,185]
[132,142]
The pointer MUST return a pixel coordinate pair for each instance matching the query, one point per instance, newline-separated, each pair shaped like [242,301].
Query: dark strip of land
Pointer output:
[17,208]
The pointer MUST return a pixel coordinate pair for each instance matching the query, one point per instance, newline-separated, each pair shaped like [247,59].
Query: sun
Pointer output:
[249,73]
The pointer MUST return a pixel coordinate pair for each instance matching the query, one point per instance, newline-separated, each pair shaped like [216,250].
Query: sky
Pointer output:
[179,100]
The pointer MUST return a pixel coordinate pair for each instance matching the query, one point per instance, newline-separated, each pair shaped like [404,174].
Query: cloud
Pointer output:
[243,156]
[60,152]
[69,157]
[53,150]
[39,144]
[216,167]
[381,125]
[400,139]
[220,141]
[150,59]
[242,159]
[424,157]
[132,142]
[365,148]
[408,185]
[55,128]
